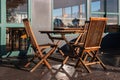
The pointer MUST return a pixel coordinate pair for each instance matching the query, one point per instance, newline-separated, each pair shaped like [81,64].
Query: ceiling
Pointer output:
[67,3]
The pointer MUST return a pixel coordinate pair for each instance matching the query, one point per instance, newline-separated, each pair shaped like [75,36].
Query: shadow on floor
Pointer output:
[13,69]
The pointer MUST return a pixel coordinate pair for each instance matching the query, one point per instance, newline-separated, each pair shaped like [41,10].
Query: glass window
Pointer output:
[97,15]
[101,5]
[75,11]
[112,19]
[112,6]
[57,12]
[97,6]
[100,8]
[68,10]
[16,10]
[82,12]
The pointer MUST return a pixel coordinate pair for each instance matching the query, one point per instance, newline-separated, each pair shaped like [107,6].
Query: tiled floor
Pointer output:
[12,69]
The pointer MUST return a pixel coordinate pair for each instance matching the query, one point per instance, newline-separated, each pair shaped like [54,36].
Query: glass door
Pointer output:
[16,10]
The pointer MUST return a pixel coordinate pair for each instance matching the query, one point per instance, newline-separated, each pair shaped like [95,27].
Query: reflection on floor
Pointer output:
[13,69]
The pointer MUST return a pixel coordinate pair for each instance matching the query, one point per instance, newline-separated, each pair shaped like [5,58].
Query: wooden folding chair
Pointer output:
[88,52]
[38,49]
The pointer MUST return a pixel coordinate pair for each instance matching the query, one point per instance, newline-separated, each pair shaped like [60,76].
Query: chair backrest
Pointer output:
[95,32]
[85,27]
[31,35]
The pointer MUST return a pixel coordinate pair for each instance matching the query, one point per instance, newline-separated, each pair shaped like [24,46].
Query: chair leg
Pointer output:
[77,64]
[61,52]
[26,65]
[82,60]
[86,67]
[95,57]
[65,60]
[44,60]
[101,63]
[47,64]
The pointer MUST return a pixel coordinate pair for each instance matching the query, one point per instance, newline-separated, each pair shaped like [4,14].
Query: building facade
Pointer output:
[42,13]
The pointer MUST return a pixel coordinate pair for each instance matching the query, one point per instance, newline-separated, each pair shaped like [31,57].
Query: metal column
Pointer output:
[3,28]
[119,12]
[88,9]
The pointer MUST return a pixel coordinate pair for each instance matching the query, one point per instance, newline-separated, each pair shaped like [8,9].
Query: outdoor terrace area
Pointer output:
[76,43]
[12,68]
